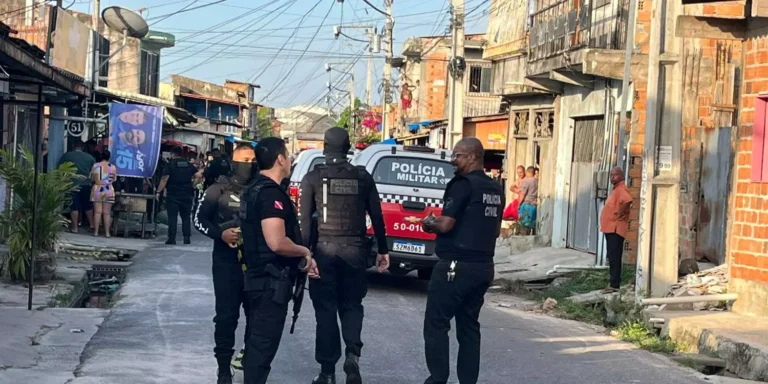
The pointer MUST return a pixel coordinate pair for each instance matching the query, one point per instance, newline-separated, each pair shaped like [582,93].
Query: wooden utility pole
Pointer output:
[369,82]
[657,255]
[456,106]
[352,109]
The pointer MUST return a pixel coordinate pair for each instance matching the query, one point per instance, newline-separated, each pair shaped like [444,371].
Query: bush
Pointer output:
[54,190]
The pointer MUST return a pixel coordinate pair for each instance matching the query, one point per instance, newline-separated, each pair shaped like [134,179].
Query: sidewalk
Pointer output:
[44,345]
[741,341]
[532,265]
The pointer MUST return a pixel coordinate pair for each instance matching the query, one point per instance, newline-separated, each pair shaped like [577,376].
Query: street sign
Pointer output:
[75,128]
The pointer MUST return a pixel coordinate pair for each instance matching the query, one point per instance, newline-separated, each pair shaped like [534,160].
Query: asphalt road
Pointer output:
[161,332]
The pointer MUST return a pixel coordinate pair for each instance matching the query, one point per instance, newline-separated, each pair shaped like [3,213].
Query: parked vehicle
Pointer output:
[411,182]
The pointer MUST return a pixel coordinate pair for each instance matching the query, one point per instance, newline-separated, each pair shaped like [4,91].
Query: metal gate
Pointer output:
[712,214]
[582,213]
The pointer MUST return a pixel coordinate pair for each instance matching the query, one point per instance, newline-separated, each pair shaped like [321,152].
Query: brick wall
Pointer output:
[748,235]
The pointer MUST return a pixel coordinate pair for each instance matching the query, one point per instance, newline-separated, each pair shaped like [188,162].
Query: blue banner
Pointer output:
[135,134]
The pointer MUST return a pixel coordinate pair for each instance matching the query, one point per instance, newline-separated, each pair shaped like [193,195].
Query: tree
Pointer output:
[263,124]
[345,120]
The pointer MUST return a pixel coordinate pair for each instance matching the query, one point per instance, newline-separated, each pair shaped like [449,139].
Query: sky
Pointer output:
[283,45]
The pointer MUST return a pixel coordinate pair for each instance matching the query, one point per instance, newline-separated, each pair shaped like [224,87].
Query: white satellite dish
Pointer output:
[126,21]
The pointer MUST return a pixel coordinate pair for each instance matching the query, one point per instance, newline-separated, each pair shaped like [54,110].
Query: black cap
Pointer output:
[336,143]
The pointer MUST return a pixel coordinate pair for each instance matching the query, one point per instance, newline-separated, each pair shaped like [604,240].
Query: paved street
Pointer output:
[161,332]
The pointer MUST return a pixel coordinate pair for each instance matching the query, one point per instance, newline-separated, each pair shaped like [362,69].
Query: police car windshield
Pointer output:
[413,172]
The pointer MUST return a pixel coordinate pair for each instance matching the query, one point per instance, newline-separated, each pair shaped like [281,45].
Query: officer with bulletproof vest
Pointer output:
[466,238]
[217,166]
[217,217]
[177,180]
[273,255]
[341,194]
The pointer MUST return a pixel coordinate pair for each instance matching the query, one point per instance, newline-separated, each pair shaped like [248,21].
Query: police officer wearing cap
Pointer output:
[341,194]
[218,166]
[177,179]
[217,217]
[273,256]
[466,238]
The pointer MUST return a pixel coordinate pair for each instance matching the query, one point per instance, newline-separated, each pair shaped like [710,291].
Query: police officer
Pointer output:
[217,218]
[341,194]
[177,177]
[466,237]
[273,256]
[218,166]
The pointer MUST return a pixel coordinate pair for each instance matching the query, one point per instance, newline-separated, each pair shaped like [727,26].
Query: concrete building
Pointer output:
[302,126]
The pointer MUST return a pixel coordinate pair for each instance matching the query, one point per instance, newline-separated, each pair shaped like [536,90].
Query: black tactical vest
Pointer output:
[339,200]
[229,201]
[256,251]
[478,226]
[180,179]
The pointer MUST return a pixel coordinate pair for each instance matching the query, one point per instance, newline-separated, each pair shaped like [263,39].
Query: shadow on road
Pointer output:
[404,284]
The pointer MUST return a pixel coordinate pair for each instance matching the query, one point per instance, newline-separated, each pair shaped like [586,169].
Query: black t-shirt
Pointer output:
[272,202]
[455,201]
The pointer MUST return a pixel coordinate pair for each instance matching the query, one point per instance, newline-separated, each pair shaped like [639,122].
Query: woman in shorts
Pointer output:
[103,194]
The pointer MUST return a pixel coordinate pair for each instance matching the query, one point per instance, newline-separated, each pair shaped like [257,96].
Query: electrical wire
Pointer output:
[299,60]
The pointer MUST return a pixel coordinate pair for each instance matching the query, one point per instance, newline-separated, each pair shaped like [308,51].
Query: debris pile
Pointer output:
[711,281]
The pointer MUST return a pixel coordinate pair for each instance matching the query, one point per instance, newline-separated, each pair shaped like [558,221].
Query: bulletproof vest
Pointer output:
[229,201]
[180,179]
[478,226]
[256,251]
[339,200]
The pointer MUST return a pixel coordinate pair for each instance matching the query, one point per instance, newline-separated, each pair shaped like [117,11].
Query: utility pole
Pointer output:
[657,254]
[456,69]
[369,82]
[621,160]
[95,18]
[352,109]
[387,72]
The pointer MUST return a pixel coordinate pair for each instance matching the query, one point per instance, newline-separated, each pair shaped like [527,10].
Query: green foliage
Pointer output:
[54,195]
[585,281]
[345,118]
[263,124]
[638,334]
[588,313]
[369,137]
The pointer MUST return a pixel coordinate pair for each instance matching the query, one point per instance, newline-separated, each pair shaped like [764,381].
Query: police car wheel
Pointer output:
[395,270]
[425,274]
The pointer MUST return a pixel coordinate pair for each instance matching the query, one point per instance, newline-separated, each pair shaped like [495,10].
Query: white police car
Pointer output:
[411,182]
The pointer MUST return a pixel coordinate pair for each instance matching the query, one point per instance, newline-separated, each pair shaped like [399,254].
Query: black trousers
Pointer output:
[228,290]
[264,333]
[615,249]
[179,206]
[461,298]
[338,293]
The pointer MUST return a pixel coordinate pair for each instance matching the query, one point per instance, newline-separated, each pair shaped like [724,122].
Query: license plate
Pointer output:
[400,246]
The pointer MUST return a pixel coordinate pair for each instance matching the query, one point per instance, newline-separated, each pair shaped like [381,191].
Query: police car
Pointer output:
[306,161]
[411,182]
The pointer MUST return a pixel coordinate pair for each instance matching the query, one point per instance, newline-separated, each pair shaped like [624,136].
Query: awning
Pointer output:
[173,115]
[233,139]
[17,56]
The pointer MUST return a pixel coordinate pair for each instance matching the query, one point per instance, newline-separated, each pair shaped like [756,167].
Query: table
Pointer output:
[131,203]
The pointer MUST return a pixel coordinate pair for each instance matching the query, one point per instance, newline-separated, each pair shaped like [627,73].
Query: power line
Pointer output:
[302,55]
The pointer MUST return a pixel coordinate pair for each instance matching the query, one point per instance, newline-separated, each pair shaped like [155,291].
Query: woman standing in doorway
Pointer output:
[103,174]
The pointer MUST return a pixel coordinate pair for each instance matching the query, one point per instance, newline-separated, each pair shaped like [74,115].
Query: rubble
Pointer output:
[711,281]
[549,304]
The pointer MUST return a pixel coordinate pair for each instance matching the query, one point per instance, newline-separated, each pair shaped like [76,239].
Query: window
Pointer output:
[479,79]
[316,161]
[103,55]
[252,95]
[760,142]
[413,172]
[150,72]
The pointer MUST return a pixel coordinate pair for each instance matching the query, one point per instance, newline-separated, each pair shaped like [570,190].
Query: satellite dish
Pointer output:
[125,20]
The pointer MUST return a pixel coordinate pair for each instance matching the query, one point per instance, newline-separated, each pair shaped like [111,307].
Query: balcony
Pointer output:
[562,32]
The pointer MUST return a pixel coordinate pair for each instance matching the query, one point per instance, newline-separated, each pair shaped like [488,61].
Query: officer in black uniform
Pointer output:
[341,194]
[217,167]
[217,218]
[177,177]
[466,238]
[273,256]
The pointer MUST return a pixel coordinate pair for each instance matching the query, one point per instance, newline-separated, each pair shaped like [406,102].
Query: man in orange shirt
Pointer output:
[614,223]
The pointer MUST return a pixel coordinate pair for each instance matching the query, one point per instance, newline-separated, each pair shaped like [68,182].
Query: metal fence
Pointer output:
[558,27]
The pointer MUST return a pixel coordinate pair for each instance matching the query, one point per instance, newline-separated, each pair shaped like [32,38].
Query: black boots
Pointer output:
[170,242]
[224,376]
[352,369]
[187,240]
[325,378]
